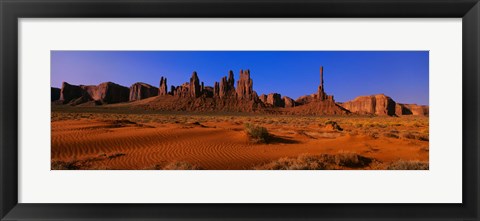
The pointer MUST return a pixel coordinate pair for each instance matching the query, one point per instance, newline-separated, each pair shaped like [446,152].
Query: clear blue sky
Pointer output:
[402,75]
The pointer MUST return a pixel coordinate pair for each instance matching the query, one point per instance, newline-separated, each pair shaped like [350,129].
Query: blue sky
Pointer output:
[402,75]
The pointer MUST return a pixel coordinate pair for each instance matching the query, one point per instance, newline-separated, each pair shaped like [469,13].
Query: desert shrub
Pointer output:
[180,165]
[318,162]
[408,165]
[334,125]
[302,162]
[352,160]
[257,134]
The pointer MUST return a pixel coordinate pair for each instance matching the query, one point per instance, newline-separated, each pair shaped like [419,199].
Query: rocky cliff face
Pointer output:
[305,99]
[54,93]
[107,92]
[381,104]
[104,93]
[263,98]
[288,102]
[162,89]
[141,90]
[245,86]
[411,109]
[275,100]
[70,92]
[226,87]
[194,95]
[194,86]
[375,104]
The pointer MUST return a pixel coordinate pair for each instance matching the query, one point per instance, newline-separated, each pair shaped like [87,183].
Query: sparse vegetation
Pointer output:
[351,160]
[257,134]
[376,138]
[318,162]
[408,165]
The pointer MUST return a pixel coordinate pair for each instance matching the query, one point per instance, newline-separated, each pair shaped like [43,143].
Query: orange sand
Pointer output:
[220,142]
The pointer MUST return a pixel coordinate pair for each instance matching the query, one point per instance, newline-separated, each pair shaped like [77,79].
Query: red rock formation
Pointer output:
[318,107]
[375,104]
[288,102]
[70,92]
[275,100]
[226,87]
[223,88]
[245,86]
[216,90]
[54,93]
[411,109]
[141,90]
[305,99]
[207,91]
[107,92]
[263,98]
[162,89]
[194,86]
[182,90]
[231,80]
[321,90]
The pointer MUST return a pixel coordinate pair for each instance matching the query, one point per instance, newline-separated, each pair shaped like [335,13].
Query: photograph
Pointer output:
[239,110]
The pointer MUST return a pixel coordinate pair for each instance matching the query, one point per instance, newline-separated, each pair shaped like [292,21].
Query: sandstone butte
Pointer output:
[225,96]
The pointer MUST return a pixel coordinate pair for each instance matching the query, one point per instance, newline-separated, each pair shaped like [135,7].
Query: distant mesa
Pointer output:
[104,93]
[139,91]
[383,105]
[225,96]
[375,104]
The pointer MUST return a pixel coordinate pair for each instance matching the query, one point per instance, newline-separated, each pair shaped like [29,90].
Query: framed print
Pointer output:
[318,109]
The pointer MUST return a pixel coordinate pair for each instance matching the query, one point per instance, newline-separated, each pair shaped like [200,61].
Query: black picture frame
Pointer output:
[12,10]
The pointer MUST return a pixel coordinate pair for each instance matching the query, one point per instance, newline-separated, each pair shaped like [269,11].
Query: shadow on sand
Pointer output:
[272,139]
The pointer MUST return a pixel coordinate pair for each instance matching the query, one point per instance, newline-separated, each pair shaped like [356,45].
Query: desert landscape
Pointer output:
[228,126]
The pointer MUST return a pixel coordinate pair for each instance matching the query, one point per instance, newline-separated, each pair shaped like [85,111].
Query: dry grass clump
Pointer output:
[408,165]
[351,160]
[302,162]
[318,162]
[257,134]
